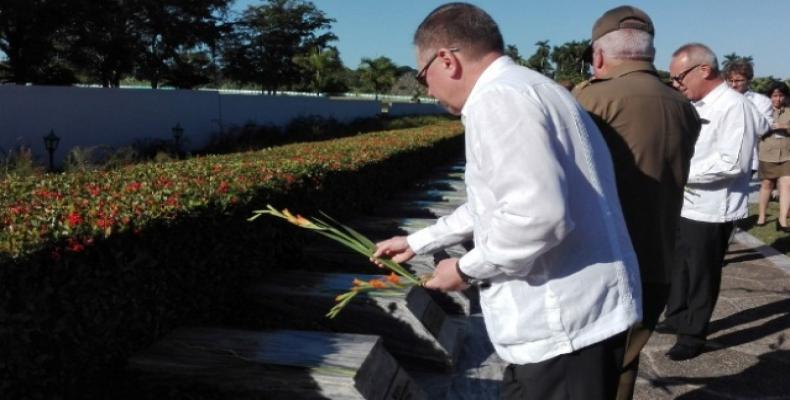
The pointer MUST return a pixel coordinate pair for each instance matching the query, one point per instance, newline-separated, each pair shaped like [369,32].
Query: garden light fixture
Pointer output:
[51,142]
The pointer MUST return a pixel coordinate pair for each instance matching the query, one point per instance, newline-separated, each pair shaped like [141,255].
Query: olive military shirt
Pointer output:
[650,129]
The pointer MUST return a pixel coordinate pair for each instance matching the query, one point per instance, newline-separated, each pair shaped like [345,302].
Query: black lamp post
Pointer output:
[51,143]
[178,133]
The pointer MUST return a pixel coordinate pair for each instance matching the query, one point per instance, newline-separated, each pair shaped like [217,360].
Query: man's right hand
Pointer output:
[395,248]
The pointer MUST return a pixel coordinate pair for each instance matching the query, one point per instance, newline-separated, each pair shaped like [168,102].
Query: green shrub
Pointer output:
[307,128]
[19,161]
[97,265]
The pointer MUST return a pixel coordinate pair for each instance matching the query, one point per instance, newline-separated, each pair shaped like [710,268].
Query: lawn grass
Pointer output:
[768,233]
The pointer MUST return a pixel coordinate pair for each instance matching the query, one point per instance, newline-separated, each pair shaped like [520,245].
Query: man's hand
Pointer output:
[395,248]
[446,278]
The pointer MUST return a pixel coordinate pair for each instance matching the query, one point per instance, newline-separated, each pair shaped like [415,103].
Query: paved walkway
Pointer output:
[748,352]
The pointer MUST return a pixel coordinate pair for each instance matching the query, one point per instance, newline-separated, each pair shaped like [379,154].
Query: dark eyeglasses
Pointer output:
[422,75]
[679,77]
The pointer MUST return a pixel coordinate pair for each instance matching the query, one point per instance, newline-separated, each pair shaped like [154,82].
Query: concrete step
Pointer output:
[413,326]
[278,364]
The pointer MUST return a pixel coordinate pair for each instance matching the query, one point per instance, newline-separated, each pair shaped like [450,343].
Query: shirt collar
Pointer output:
[629,67]
[712,95]
[490,73]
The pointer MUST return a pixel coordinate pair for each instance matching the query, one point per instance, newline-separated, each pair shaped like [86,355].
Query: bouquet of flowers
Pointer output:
[399,279]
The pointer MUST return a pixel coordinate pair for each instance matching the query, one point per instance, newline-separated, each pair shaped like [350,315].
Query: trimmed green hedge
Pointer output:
[96,266]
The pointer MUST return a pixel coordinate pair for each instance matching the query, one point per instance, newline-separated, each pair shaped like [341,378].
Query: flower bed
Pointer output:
[95,266]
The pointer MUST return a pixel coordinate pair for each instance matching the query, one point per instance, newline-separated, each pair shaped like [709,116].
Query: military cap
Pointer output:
[623,17]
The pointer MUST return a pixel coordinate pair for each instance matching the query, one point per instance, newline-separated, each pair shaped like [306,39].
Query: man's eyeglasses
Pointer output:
[679,77]
[422,75]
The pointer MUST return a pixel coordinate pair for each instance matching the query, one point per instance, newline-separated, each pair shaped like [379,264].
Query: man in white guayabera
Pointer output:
[717,193]
[558,277]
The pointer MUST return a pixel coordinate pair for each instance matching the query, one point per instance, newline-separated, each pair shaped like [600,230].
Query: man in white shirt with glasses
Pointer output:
[716,196]
[558,277]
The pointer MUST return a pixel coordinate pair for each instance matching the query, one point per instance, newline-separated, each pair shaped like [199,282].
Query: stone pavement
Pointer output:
[748,352]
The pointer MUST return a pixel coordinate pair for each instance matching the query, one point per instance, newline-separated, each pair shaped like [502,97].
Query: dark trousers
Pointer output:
[696,277]
[590,373]
[654,300]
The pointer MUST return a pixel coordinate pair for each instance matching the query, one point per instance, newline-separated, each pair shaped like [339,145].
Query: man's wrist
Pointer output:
[464,277]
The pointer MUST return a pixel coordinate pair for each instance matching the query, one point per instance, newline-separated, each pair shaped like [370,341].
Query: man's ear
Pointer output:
[598,58]
[450,62]
[707,71]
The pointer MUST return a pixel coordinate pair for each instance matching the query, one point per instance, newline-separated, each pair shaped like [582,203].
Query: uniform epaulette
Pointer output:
[580,86]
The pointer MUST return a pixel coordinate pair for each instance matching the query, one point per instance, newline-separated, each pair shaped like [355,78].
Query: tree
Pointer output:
[569,61]
[187,70]
[512,51]
[761,84]
[106,41]
[380,73]
[321,69]
[729,58]
[406,84]
[173,28]
[31,36]
[541,60]
[267,38]
[115,38]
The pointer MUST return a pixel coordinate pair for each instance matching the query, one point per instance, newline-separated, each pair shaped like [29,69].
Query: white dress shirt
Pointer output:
[543,210]
[764,106]
[718,183]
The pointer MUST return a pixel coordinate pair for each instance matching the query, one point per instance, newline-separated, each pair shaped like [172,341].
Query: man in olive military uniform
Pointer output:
[650,130]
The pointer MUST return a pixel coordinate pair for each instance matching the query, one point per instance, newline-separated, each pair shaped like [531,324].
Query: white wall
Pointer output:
[116,117]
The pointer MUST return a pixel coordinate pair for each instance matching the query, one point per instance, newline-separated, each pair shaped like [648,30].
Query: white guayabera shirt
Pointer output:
[766,109]
[543,210]
[721,166]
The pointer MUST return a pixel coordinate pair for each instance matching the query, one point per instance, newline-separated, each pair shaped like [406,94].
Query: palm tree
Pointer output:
[540,61]
[732,57]
[379,72]
[569,61]
[511,51]
[319,64]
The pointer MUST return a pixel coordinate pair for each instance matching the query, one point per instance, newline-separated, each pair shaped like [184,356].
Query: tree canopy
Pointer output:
[267,38]
[271,46]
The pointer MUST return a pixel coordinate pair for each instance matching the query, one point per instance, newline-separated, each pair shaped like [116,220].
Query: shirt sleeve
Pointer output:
[766,109]
[729,157]
[515,143]
[447,231]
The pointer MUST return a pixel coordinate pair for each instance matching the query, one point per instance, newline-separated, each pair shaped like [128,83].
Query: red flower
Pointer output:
[104,223]
[74,219]
[48,195]
[94,190]
[75,246]
[223,187]
[133,187]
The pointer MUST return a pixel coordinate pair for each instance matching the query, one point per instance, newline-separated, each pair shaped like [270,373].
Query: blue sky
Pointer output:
[372,28]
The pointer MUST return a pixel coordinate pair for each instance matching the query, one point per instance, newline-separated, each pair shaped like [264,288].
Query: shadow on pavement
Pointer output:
[780,310]
[765,380]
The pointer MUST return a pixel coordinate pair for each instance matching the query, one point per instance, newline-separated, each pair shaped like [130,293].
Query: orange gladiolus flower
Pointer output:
[393,278]
[303,222]
[290,217]
[377,283]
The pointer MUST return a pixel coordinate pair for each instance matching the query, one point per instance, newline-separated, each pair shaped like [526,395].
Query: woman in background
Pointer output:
[774,156]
